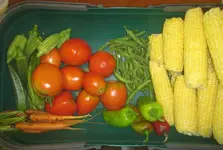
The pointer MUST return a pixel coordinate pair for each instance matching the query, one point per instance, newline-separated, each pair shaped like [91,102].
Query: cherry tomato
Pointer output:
[62,104]
[103,63]
[86,103]
[47,80]
[115,95]
[73,77]
[53,57]
[75,51]
[94,83]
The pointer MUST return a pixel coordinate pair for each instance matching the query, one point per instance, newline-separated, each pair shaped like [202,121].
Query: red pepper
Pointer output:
[161,128]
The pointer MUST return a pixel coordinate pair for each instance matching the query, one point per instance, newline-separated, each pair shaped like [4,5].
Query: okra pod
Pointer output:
[48,44]
[18,42]
[19,89]
[65,35]
[34,40]
[35,100]
[22,65]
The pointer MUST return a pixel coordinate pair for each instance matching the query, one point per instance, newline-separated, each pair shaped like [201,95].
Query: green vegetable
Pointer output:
[34,40]
[134,37]
[22,64]
[8,118]
[35,101]
[19,89]
[65,35]
[48,44]
[150,109]
[19,42]
[52,41]
[7,114]
[143,128]
[132,59]
[14,120]
[5,128]
[120,118]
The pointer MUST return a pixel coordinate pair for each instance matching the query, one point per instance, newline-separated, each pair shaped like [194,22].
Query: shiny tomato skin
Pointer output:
[86,103]
[115,95]
[47,80]
[53,57]
[94,83]
[73,77]
[103,63]
[75,51]
[62,104]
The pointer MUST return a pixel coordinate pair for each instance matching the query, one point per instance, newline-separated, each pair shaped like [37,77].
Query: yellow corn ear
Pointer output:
[213,28]
[206,100]
[173,44]
[156,48]
[185,107]
[218,116]
[195,49]
[163,90]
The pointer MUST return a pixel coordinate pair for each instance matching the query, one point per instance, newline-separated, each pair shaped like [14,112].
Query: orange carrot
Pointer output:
[44,117]
[34,131]
[34,111]
[41,131]
[46,125]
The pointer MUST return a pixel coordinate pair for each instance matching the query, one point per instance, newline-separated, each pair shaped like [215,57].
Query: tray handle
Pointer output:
[184,7]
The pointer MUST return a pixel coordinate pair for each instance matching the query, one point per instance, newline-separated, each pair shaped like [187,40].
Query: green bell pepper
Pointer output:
[150,109]
[120,118]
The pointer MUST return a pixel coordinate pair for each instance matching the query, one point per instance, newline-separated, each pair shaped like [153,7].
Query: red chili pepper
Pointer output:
[161,128]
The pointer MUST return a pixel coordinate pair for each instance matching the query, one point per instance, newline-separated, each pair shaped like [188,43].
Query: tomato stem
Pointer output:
[48,100]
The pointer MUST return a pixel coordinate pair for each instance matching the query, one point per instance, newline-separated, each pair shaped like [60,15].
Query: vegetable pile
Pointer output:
[178,72]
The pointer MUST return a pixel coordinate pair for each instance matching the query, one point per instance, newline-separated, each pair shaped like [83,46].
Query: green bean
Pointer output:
[125,43]
[130,90]
[137,90]
[130,65]
[103,46]
[132,61]
[121,78]
[135,38]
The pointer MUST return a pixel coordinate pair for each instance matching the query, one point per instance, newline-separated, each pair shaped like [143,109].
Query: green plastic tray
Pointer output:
[95,25]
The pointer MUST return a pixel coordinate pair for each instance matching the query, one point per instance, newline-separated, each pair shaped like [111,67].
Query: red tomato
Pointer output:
[73,77]
[47,80]
[75,51]
[94,83]
[53,57]
[62,104]
[103,63]
[86,103]
[115,96]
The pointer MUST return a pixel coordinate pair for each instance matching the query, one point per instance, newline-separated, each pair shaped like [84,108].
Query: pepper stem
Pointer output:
[153,112]
[146,133]
[48,100]
[166,137]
